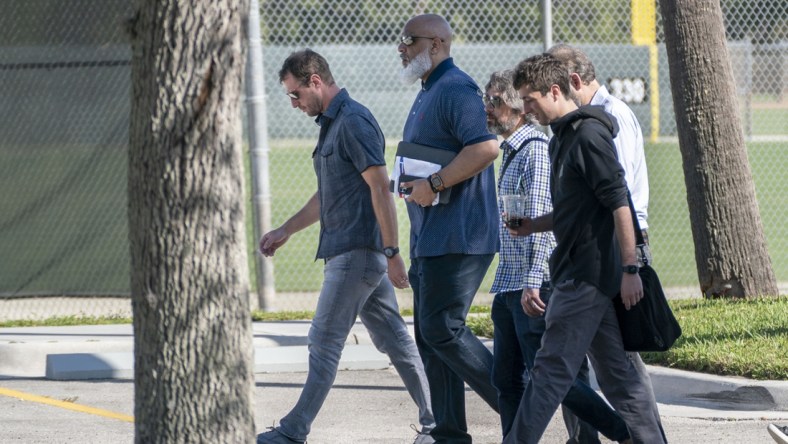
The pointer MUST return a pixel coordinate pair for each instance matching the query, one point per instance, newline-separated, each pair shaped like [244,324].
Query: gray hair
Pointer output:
[501,82]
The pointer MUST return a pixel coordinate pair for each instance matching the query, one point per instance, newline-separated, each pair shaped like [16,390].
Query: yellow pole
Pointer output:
[644,33]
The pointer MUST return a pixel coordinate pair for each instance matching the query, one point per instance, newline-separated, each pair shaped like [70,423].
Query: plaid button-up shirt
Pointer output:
[522,261]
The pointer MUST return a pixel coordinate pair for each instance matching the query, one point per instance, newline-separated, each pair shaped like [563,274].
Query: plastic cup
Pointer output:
[513,209]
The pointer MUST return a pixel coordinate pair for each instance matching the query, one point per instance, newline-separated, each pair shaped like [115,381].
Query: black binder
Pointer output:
[426,153]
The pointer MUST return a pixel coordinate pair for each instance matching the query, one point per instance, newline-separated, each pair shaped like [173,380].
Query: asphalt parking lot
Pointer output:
[365,406]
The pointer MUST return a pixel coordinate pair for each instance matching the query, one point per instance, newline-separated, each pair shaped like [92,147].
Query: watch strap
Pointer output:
[631,269]
[390,252]
[439,187]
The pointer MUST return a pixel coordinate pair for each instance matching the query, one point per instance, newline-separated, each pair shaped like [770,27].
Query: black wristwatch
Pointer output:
[391,251]
[631,269]
[436,183]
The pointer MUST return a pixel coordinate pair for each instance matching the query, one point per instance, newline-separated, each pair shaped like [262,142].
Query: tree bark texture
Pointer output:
[189,276]
[730,247]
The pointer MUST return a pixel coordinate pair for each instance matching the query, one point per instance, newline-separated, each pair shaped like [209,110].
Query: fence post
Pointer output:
[259,149]
[547,24]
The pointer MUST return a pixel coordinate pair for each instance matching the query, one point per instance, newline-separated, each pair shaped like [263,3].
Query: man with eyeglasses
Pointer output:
[522,281]
[358,243]
[451,244]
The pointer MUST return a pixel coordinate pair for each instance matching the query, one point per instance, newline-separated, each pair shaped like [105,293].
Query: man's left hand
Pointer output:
[398,275]
[631,290]
[421,194]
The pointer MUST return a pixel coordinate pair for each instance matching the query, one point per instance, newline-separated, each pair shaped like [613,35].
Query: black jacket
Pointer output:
[587,184]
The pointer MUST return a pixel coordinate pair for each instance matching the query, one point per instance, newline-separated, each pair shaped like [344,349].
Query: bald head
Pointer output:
[425,43]
[431,25]
[436,23]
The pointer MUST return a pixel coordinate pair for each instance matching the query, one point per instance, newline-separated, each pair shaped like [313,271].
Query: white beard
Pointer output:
[417,67]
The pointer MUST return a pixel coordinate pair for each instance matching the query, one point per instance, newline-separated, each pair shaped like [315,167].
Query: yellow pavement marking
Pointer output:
[64,405]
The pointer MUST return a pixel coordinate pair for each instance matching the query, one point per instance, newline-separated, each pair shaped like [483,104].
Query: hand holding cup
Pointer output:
[513,210]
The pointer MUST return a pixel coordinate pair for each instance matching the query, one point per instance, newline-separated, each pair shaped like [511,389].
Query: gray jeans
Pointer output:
[355,284]
[581,319]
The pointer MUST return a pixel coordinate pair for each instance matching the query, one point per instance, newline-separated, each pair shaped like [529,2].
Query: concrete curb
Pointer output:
[106,352]
[722,392]
[287,359]
[30,359]
[671,386]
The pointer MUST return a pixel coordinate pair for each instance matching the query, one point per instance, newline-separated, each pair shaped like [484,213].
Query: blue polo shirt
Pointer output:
[448,113]
[350,142]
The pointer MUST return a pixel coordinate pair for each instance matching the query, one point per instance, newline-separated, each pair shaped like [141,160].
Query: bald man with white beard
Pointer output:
[451,244]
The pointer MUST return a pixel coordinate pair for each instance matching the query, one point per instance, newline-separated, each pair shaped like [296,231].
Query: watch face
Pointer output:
[436,183]
[631,269]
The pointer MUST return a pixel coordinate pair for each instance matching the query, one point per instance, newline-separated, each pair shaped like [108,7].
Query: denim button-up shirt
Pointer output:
[350,142]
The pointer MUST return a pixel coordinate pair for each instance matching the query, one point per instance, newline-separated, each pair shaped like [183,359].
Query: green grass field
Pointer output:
[63,217]
[670,233]
[769,120]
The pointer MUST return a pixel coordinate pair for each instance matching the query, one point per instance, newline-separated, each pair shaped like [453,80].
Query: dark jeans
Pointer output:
[517,337]
[443,290]
[580,319]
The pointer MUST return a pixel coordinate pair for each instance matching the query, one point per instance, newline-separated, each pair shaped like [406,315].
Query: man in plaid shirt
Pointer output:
[523,276]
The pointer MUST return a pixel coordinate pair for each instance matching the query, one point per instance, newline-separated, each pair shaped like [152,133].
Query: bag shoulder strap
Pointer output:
[511,156]
[635,223]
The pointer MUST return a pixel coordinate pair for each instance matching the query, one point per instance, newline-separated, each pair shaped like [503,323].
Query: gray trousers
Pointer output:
[580,319]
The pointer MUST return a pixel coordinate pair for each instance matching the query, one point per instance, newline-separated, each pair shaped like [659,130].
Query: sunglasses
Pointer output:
[294,94]
[408,40]
[493,101]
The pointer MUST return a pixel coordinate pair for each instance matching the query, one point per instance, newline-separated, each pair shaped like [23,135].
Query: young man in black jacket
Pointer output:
[594,260]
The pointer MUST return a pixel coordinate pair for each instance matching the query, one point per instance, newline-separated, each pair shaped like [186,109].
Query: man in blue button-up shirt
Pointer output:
[452,244]
[358,241]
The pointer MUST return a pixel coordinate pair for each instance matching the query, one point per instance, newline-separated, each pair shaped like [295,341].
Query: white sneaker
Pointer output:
[422,437]
[780,434]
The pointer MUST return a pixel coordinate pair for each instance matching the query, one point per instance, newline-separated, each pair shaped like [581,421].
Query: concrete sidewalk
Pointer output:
[106,352]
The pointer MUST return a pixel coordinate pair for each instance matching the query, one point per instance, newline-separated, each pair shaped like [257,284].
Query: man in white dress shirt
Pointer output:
[629,140]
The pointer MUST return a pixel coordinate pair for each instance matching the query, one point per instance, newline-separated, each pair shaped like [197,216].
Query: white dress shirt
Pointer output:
[629,145]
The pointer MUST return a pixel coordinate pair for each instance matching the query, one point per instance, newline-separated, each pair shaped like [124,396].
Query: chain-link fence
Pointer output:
[359,40]
[64,77]
[64,113]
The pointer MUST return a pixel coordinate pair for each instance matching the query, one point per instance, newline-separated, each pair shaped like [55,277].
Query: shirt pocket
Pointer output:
[326,149]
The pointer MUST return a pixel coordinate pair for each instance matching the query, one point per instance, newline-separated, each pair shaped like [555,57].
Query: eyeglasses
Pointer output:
[408,40]
[493,101]
[294,94]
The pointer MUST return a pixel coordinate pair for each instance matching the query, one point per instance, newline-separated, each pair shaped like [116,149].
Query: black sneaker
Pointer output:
[274,436]
[779,433]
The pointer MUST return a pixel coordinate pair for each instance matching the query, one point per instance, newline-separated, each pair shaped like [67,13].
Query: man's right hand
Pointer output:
[272,240]
[526,228]
[532,304]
